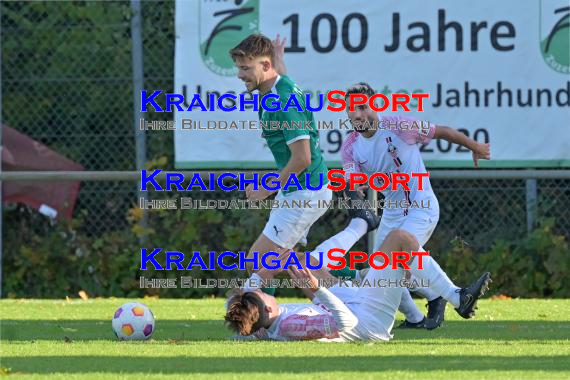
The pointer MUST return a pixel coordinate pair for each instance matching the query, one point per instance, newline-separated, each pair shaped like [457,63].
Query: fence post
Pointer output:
[1,148]
[531,202]
[373,197]
[138,78]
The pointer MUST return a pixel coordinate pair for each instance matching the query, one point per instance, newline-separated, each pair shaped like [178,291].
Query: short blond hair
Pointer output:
[253,46]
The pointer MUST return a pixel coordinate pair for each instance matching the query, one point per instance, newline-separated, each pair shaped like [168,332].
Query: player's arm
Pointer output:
[480,151]
[299,161]
[344,318]
[424,134]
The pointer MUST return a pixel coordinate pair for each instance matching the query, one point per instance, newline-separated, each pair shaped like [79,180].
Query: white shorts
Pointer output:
[419,224]
[289,226]
[374,306]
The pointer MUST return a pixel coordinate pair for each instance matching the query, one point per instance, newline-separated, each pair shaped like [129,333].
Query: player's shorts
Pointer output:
[419,224]
[374,306]
[289,226]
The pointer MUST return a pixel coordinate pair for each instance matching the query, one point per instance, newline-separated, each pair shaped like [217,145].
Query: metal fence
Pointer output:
[68,75]
[476,206]
[69,71]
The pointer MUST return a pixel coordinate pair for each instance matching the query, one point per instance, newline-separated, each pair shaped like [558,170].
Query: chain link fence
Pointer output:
[478,212]
[67,81]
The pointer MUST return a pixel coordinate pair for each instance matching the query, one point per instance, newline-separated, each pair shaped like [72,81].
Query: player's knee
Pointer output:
[402,238]
[405,241]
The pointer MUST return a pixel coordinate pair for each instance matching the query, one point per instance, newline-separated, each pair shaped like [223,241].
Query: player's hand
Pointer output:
[248,190]
[305,273]
[279,55]
[252,194]
[481,152]
[361,189]
[256,195]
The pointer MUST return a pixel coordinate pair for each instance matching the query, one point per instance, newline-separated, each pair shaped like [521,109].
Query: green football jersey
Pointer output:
[279,137]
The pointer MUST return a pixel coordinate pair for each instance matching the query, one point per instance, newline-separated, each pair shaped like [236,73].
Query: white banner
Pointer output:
[497,70]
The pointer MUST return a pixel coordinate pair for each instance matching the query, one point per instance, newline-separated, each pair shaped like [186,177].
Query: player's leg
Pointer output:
[345,240]
[366,214]
[362,221]
[380,295]
[463,299]
[379,305]
[421,224]
[262,245]
[286,226]
[424,292]
[414,318]
[385,227]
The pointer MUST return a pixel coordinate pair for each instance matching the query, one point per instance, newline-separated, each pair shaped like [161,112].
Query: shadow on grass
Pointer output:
[203,330]
[305,364]
[27,330]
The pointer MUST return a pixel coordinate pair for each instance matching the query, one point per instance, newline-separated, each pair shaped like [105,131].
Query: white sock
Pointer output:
[345,239]
[426,293]
[439,283]
[409,308]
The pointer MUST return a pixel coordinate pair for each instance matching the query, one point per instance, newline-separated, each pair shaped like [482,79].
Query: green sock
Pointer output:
[270,291]
[344,272]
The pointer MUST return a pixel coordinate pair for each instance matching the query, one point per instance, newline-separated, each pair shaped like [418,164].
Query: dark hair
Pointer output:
[246,313]
[253,46]
[360,88]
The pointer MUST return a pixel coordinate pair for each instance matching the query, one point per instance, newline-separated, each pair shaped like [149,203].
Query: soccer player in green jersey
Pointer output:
[295,150]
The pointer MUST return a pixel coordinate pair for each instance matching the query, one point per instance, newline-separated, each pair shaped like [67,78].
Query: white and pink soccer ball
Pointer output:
[133,321]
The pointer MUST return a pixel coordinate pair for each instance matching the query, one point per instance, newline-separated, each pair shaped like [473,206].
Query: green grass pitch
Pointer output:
[73,339]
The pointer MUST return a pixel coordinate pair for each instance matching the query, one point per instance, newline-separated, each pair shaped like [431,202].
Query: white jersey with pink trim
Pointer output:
[303,322]
[328,318]
[393,150]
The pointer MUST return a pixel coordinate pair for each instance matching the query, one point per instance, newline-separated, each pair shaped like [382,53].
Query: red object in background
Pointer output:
[21,153]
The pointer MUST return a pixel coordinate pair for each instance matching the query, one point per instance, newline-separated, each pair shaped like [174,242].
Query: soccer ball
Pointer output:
[133,321]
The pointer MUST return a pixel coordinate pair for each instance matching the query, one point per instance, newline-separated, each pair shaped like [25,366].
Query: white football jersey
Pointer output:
[303,322]
[393,150]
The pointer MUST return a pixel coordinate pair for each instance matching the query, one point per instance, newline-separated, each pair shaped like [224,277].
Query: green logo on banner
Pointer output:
[223,24]
[555,36]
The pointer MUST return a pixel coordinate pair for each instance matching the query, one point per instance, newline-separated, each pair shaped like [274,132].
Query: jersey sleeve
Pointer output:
[349,163]
[339,318]
[410,130]
[294,125]
[304,327]
[344,318]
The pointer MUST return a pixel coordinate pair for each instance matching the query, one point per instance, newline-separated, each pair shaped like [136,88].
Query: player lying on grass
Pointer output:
[398,150]
[338,313]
